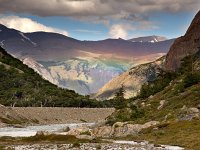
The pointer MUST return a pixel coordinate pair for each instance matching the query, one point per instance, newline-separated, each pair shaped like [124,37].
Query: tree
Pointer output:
[119,98]
[120,93]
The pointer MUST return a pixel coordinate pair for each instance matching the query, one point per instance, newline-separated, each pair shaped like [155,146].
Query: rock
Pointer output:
[104,131]
[198,106]
[121,129]
[79,130]
[148,105]
[42,133]
[162,103]
[143,104]
[87,137]
[189,113]
[65,129]
[184,108]
[193,110]
[126,129]
[166,116]
[151,96]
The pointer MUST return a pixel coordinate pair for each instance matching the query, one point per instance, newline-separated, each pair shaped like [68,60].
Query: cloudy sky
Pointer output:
[100,19]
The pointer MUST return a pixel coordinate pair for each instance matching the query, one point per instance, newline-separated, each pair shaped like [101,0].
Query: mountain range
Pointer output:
[83,66]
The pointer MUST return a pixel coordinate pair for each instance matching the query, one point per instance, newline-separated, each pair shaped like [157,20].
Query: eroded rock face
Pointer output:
[185,45]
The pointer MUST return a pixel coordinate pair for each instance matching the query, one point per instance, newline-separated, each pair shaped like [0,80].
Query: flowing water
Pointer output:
[32,130]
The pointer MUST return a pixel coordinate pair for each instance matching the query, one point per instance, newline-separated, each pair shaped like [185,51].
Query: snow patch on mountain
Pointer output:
[1,43]
[25,37]
[149,39]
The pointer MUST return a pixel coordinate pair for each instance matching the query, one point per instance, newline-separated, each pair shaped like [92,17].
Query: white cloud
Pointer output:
[27,25]
[120,30]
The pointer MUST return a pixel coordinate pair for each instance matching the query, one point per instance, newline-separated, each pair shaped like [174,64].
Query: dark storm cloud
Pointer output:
[107,9]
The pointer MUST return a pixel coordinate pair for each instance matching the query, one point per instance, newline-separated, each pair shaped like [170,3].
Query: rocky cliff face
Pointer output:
[40,69]
[185,45]
[132,80]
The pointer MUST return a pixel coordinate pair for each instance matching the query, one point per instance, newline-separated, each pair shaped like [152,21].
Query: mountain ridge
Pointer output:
[56,54]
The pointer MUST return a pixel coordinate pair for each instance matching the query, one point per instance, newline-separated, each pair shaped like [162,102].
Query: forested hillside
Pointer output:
[21,86]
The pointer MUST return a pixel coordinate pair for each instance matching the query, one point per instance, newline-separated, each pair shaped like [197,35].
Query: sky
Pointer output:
[100,19]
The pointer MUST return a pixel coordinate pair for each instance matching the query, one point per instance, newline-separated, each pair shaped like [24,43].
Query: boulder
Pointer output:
[193,110]
[162,103]
[189,113]
[42,133]
[79,130]
[121,129]
[104,131]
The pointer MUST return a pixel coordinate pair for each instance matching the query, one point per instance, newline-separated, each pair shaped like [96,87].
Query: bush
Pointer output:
[191,79]
[126,114]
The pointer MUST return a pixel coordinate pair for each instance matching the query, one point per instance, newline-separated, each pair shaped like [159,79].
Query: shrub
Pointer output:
[191,79]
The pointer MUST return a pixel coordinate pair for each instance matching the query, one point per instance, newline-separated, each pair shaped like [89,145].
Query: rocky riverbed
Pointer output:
[117,145]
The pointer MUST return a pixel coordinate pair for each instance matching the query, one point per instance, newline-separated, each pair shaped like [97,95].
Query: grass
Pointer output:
[184,133]
[45,139]
[85,133]
[11,121]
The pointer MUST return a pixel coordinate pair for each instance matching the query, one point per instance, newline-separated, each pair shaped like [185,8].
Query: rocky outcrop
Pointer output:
[103,131]
[185,45]
[132,80]
[119,129]
[188,113]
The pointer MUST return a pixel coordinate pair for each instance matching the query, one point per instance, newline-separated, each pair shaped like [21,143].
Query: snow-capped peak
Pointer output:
[150,39]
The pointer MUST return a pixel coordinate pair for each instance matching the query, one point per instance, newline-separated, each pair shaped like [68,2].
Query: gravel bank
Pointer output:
[58,115]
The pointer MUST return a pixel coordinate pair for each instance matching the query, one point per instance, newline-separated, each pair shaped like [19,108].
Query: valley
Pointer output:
[82,75]
[82,66]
